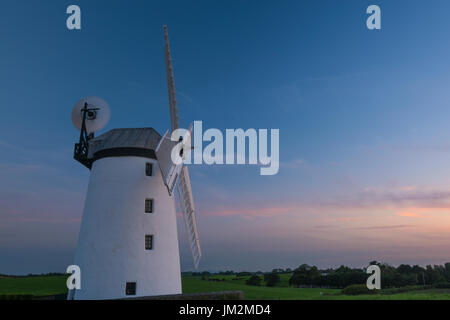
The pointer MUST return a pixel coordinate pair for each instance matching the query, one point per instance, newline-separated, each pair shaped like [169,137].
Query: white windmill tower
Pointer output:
[128,241]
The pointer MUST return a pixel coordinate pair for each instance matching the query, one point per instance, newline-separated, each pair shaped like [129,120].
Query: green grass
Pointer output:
[50,285]
[36,286]
[195,284]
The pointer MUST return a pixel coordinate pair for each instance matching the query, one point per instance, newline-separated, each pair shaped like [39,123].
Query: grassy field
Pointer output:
[42,286]
[195,284]
[283,277]
[37,286]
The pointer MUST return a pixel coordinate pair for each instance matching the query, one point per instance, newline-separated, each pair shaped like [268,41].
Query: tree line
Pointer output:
[391,277]
[311,276]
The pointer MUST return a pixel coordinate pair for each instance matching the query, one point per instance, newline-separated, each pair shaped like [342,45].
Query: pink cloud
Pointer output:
[264,212]
[409,214]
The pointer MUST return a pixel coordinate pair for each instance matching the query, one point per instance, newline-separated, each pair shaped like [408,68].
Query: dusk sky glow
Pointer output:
[363,119]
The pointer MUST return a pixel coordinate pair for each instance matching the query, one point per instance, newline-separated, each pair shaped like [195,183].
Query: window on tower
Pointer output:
[148,205]
[148,169]
[149,242]
[130,289]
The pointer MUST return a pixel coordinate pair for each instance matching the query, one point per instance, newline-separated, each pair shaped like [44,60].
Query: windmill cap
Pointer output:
[125,138]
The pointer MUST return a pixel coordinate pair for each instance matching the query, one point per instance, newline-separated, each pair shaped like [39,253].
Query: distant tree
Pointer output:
[388,276]
[343,269]
[403,280]
[331,279]
[374,262]
[272,279]
[300,276]
[314,276]
[297,279]
[254,280]
[404,269]
[205,275]
[447,271]
[354,276]
[434,275]
[305,275]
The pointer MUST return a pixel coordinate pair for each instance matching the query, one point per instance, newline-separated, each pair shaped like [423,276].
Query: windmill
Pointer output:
[128,241]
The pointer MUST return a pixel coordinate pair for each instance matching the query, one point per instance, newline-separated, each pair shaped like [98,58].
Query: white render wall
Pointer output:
[111,245]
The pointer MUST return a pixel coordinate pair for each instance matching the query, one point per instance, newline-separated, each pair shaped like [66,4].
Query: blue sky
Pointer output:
[363,118]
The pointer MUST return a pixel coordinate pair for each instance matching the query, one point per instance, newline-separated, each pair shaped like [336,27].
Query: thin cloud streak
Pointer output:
[383,227]
[409,214]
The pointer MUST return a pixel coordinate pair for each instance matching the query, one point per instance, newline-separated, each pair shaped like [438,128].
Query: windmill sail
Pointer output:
[184,182]
[187,206]
[169,170]
[171,83]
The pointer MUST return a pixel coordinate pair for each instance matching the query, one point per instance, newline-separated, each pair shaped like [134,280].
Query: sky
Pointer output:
[363,118]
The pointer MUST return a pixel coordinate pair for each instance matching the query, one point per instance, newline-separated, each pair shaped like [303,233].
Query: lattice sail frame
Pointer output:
[185,197]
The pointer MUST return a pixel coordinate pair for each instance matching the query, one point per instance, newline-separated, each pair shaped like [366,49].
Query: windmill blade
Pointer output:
[187,206]
[171,83]
[169,170]
[184,182]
